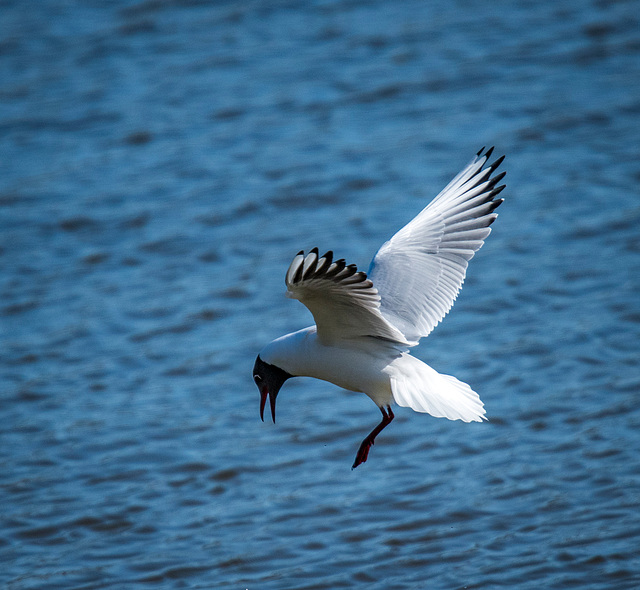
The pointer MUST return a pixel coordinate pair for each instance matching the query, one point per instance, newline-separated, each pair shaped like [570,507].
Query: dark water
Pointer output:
[161,163]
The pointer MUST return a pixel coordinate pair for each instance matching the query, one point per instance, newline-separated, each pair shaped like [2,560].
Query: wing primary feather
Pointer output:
[497,163]
[294,267]
[345,274]
[297,277]
[336,268]
[310,263]
[357,277]
[495,180]
[496,191]
[324,263]
[497,202]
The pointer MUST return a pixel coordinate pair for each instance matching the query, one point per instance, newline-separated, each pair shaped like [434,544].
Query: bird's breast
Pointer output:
[356,366]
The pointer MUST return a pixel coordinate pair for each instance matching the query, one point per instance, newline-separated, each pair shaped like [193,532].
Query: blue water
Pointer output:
[161,162]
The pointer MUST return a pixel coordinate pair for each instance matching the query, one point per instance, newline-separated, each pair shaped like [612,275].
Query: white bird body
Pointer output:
[352,365]
[378,368]
[366,325]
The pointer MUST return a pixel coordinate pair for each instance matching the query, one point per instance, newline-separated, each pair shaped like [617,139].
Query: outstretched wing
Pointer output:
[420,270]
[343,301]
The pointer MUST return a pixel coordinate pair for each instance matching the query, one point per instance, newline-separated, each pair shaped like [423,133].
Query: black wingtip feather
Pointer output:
[495,180]
[313,267]
[497,163]
[340,264]
[494,205]
[499,177]
[324,262]
[497,191]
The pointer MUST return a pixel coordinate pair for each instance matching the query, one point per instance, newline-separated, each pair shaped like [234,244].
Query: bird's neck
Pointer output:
[292,351]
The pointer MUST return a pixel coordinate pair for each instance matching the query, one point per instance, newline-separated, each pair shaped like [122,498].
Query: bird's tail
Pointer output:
[419,387]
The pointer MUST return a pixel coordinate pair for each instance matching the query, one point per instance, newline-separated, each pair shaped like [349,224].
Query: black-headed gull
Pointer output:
[365,325]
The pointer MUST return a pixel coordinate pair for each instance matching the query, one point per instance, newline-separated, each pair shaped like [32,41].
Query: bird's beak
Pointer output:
[264,392]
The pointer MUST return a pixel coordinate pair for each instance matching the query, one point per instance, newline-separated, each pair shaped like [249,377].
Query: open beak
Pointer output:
[264,392]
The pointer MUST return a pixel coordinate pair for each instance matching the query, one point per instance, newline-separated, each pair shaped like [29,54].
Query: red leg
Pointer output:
[367,443]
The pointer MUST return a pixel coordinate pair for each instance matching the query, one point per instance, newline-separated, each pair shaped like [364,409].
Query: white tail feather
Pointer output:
[421,388]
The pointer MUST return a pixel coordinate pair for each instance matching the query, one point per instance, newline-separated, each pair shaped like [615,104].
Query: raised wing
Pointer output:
[420,270]
[343,301]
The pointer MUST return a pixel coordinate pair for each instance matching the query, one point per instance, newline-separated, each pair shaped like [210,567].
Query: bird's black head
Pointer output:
[269,380]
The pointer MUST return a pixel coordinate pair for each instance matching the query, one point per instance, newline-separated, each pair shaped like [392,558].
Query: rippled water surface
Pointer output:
[161,164]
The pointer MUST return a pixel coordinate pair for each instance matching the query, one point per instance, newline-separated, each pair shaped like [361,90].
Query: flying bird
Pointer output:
[366,323]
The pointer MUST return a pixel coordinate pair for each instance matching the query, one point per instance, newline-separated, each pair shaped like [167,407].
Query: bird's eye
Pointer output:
[257,379]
